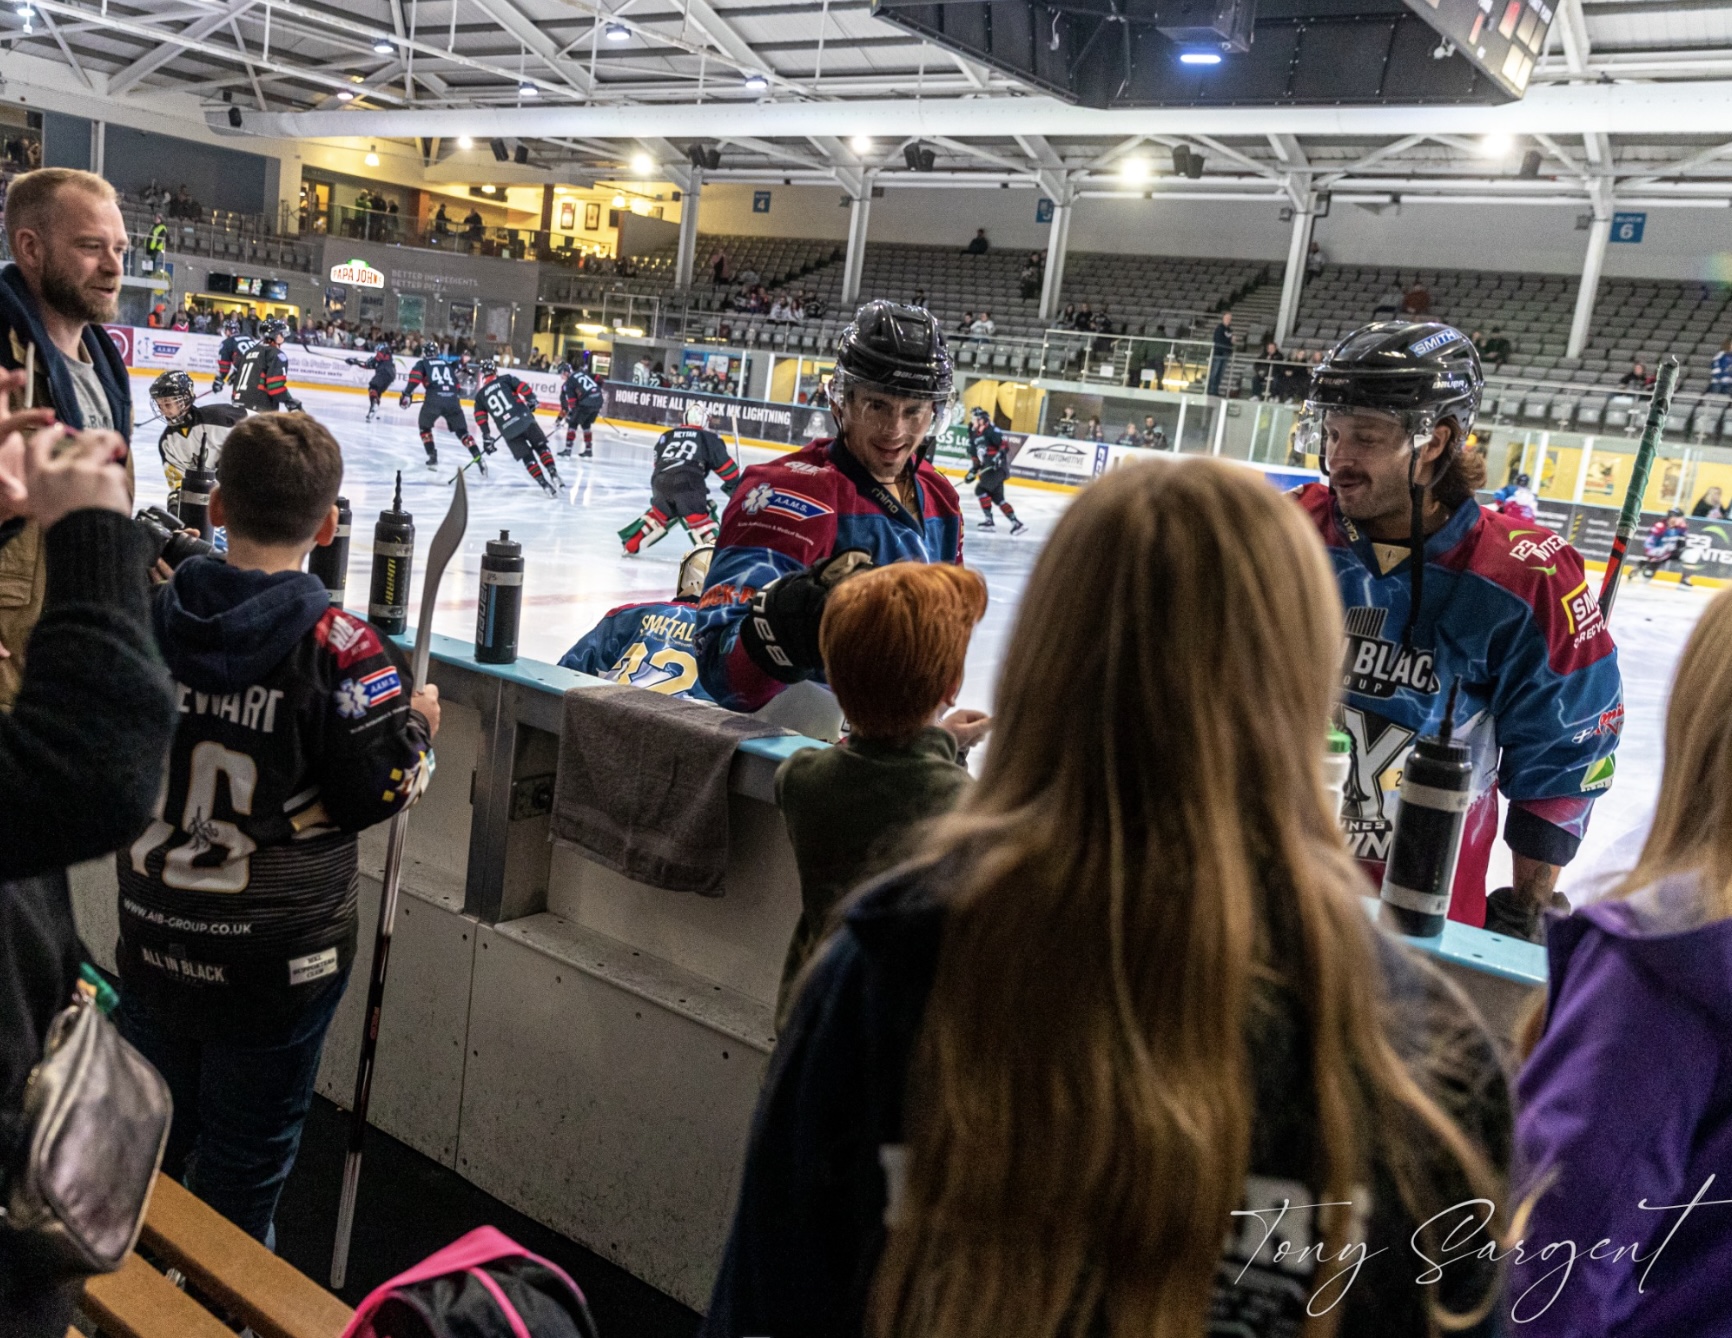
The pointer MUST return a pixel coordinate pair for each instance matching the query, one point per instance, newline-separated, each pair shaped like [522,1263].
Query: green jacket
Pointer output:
[853,812]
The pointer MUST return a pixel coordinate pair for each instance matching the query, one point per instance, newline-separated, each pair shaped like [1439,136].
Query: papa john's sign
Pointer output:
[359,273]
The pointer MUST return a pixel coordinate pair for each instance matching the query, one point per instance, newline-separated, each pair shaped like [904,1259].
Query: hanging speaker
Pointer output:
[1194,166]
[1531,163]
[501,154]
[1181,159]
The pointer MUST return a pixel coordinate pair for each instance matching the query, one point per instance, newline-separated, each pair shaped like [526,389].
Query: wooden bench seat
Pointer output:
[221,1262]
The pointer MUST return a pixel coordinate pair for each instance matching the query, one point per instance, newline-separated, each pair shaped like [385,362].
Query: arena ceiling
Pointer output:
[1627,103]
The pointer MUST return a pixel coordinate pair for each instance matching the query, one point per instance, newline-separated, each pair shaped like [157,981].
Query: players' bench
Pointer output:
[236,1275]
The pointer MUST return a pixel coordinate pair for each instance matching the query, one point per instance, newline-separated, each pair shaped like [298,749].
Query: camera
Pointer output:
[172,546]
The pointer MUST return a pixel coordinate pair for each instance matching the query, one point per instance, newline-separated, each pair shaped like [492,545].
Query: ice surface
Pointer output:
[576,571]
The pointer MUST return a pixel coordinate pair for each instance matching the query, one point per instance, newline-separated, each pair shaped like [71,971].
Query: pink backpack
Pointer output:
[485,1285]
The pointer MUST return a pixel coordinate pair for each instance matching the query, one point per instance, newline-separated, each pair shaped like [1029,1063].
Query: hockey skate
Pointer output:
[587,452]
[1017,527]
[565,454]
[371,411]
[986,524]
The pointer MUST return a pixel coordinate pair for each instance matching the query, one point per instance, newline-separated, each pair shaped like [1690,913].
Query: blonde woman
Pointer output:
[1626,1100]
[1128,1006]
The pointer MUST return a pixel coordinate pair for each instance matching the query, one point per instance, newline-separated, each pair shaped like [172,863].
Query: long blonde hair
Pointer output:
[1692,829]
[1149,856]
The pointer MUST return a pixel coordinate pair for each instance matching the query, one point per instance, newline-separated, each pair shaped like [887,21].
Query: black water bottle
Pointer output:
[501,606]
[1436,789]
[193,505]
[393,558]
[330,562]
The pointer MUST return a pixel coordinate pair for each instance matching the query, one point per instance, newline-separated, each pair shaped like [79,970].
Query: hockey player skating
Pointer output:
[384,367]
[580,401]
[192,432]
[990,454]
[1516,500]
[261,382]
[230,352]
[799,523]
[434,377]
[1665,543]
[504,404]
[679,488]
[1500,606]
[650,645]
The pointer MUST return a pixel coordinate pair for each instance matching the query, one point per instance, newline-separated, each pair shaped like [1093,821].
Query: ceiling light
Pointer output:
[861,143]
[640,207]
[527,90]
[617,32]
[1134,169]
[464,142]
[642,164]
[1497,146]
[756,83]
[372,158]
[1199,58]
[383,46]
[619,202]
[344,95]
[489,190]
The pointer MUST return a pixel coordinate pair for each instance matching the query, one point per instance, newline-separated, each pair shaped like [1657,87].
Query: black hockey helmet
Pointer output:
[1675,511]
[486,367]
[564,369]
[273,332]
[381,347]
[1522,480]
[977,412]
[429,349]
[898,350]
[231,326]
[173,395]
[1418,371]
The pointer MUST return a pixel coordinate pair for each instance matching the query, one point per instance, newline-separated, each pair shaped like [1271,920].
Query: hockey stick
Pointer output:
[1658,407]
[446,541]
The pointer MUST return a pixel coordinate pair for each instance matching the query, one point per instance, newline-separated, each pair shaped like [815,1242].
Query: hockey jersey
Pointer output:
[383,366]
[1510,614]
[788,514]
[987,448]
[579,390]
[434,375]
[506,403]
[1666,539]
[693,450]
[264,370]
[295,733]
[204,430]
[645,645]
[229,355]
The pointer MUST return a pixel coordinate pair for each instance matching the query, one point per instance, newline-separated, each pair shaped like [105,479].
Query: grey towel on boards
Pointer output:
[642,784]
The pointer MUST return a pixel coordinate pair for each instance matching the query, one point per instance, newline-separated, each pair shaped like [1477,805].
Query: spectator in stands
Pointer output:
[1268,363]
[1130,436]
[640,372]
[979,246]
[1389,305]
[749,276]
[894,642]
[80,752]
[1637,378]
[1085,317]
[68,243]
[1067,317]
[1709,506]
[1497,348]
[779,311]
[1095,431]
[441,220]
[181,321]
[984,328]
[1033,272]
[1314,261]
[1416,301]
[718,267]
[965,326]
[960,1135]
[919,298]
[1221,352]
[796,309]
[1067,424]
[155,244]
[472,227]
[1635,1038]
[158,317]
[1154,435]
[1720,373]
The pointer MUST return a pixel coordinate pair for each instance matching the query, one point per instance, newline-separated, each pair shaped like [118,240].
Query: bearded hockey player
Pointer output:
[1500,605]
[191,431]
[990,454]
[441,401]
[261,382]
[505,403]
[799,524]
[384,373]
[230,352]
[580,401]
[679,488]
[650,645]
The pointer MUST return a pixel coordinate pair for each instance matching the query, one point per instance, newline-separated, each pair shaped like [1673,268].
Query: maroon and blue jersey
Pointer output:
[1510,613]
[645,645]
[795,511]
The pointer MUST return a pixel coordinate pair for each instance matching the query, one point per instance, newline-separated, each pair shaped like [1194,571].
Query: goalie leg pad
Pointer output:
[644,531]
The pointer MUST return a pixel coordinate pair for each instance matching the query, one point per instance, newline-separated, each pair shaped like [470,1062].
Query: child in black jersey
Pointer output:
[237,904]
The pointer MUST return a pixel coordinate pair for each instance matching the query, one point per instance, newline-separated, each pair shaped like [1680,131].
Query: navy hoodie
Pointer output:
[23,327]
[295,733]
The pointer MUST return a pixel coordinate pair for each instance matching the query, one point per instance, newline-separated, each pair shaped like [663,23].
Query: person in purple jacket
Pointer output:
[1624,1133]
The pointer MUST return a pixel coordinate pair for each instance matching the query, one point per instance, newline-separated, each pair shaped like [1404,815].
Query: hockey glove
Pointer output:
[216,385]
[780,633]
[730,486]
[971,475]
[404,402]
[291,404]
